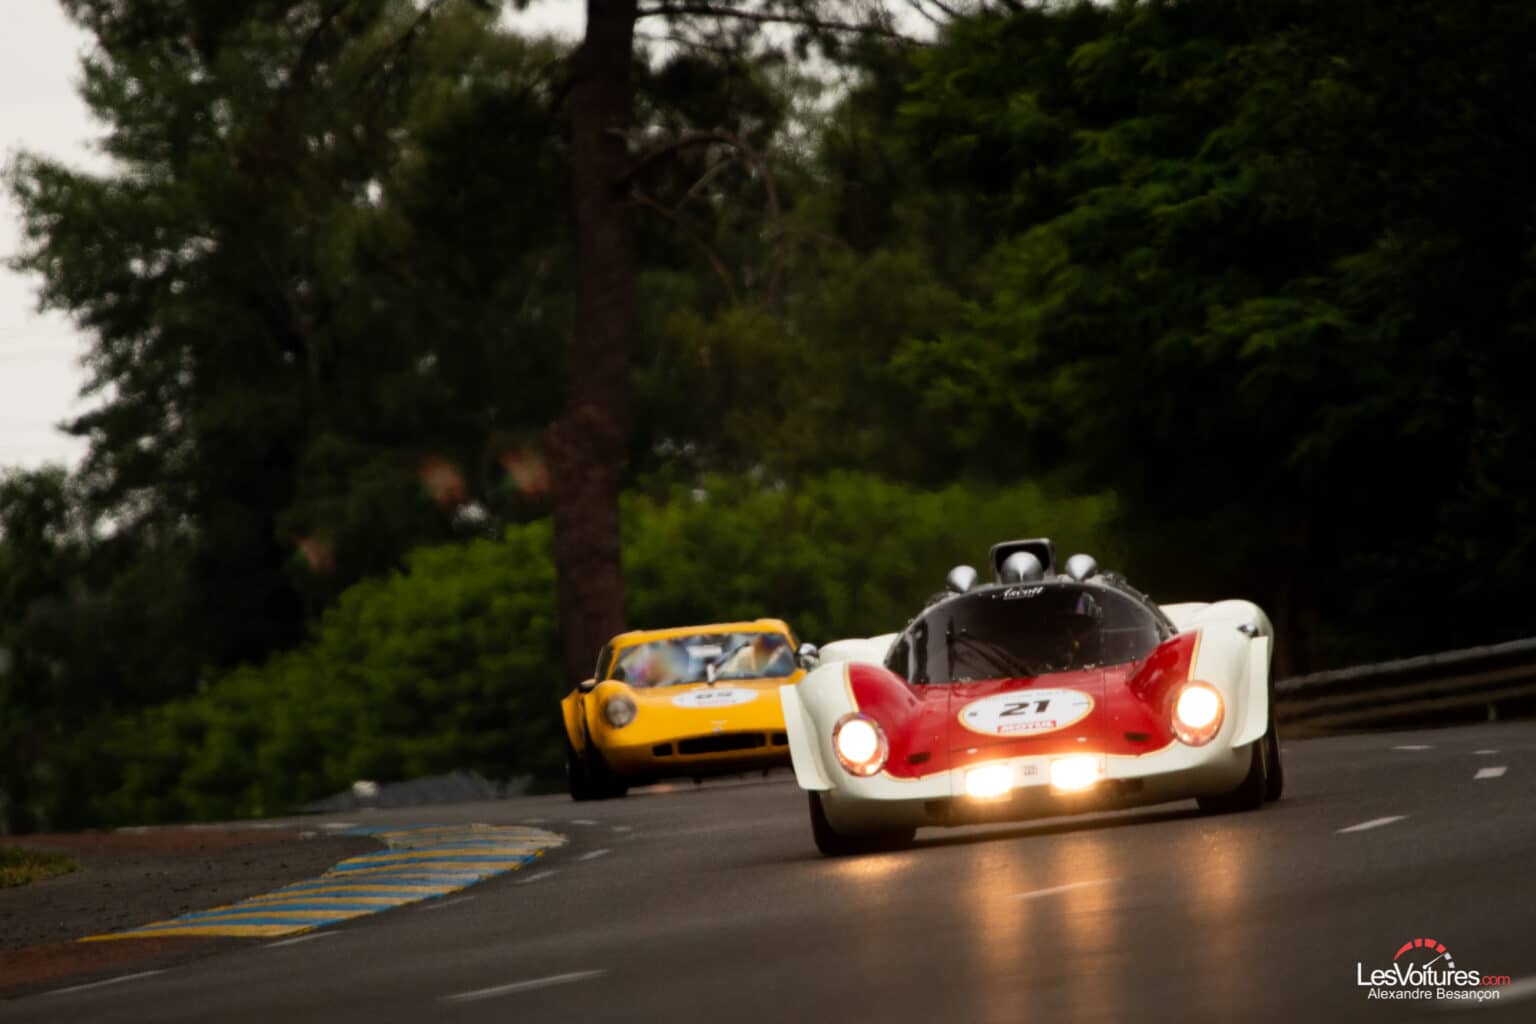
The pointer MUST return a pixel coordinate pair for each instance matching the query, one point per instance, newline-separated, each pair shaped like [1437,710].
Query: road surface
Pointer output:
[711,903]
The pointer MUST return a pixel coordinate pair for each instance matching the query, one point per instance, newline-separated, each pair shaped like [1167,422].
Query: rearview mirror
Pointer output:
[587,685]
[809,656]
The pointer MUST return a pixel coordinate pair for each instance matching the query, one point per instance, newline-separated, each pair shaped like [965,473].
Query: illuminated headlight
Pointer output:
[989,781]
[860,744]
[1072,774]
[619,711]
[1197,714]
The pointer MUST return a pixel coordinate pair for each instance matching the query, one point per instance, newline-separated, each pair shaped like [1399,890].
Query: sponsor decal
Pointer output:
[1014,593]
[1424,969]
[714,697]
[1026,712]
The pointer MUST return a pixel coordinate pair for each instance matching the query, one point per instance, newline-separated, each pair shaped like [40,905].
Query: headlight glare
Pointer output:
[860,744]
[1075,773]
[1197,713]
[619,711]
[989,781]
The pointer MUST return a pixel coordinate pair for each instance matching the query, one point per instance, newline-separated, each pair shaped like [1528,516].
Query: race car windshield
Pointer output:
[1023,632]
[687,659]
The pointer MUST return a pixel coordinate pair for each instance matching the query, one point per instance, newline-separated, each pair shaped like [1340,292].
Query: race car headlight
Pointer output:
[860,744]
[619,711]
[1075,773]
[988,781]
[1197,713]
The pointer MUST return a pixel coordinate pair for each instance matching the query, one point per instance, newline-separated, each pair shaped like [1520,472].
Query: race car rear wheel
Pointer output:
[833,843]
[1249,794]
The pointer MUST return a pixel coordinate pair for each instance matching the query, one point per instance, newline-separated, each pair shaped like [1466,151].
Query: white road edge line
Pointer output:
[1495,771]
[521,986]
[1413,746]
[440,904]
[1373,823]
[1053,890]
[298,939]
[99,984]
[594,854]
[534,877]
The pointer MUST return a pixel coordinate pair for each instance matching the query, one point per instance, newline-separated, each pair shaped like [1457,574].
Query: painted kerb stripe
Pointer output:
[421,863]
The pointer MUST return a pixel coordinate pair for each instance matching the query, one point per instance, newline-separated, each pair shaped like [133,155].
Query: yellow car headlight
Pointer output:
[619,711]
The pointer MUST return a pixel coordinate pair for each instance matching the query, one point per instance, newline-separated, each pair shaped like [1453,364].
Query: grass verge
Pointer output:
[18,867]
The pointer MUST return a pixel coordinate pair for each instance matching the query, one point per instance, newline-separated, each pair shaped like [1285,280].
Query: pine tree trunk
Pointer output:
[587,444]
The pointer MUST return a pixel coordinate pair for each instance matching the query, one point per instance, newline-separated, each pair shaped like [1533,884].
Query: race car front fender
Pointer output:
[804,751]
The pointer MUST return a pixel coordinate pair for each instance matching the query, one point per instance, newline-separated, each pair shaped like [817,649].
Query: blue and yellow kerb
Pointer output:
[421,862]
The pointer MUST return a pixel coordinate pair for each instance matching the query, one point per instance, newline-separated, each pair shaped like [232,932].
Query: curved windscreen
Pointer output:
[1025,631]
[688,659]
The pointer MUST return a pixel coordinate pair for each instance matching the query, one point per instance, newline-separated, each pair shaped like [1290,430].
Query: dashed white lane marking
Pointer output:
[1055,889]
[339,824]
[1373,823]
[521,986]
[440,904]
[1491,772]
[623,828]
[582,821]
[300,938]
[1413,746]
[1485,753]
[594,855]
[533,877]
[533,821]
[99,984]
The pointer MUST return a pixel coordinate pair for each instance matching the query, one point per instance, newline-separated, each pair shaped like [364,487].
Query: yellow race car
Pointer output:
[689,701]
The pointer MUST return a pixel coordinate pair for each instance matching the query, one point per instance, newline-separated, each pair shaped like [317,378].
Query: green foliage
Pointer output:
[1267,270]
[449,663]
[442,665]
[19,867]
[302,277]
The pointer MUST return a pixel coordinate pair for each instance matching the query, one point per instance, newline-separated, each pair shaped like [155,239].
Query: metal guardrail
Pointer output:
[1456,687]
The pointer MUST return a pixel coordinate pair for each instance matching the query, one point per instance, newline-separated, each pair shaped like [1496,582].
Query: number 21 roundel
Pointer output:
[1026,712]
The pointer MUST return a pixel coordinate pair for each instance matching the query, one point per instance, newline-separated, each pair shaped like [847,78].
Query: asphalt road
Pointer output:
[710,903]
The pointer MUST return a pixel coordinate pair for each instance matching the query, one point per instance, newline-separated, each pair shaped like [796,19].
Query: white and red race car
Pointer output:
[1042,693]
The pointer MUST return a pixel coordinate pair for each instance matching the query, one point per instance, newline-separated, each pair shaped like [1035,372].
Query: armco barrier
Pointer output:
[1476,684]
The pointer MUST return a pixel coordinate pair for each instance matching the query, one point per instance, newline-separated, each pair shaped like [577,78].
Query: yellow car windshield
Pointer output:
[691,659]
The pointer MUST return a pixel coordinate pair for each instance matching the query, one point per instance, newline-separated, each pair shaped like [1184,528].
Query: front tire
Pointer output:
[1249,794]
[588,778]
[833,843]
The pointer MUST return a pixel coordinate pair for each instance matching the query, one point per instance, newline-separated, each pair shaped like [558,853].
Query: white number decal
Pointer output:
[1026,712]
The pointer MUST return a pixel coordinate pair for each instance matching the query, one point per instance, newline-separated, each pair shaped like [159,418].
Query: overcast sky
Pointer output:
[40,374]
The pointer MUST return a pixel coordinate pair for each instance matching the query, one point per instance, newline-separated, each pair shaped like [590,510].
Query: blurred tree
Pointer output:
[1266,271]
[610,159]
[319,324]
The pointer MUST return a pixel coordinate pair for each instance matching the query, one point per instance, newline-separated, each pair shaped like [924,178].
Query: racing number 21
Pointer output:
[1021,707]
